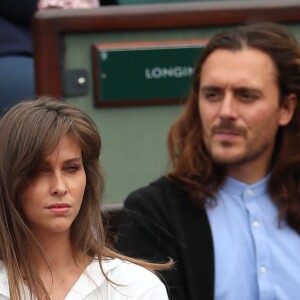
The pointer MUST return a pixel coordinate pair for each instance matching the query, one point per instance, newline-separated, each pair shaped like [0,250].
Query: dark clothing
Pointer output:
[108,2]
[159,222]
[14,39]
[18,12]
[16,51]
[15,23]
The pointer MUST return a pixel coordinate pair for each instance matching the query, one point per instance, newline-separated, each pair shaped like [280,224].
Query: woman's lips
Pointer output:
[59,208]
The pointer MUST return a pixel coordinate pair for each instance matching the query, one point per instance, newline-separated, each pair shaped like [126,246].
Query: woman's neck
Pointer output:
[57,251]
[59,267]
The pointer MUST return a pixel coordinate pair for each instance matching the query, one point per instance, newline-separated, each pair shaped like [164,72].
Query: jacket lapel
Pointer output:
[197,251]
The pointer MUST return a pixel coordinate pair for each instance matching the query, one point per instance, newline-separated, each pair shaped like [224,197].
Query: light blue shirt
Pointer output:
[255,257]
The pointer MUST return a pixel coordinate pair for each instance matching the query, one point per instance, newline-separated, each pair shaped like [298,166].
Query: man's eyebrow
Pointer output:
[210,88]
[248,89]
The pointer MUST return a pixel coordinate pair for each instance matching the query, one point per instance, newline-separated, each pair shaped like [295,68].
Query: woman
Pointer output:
[52,242]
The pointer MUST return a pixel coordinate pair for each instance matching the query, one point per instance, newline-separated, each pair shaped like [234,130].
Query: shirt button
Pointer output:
[263,270]
[256,224]
[249,193]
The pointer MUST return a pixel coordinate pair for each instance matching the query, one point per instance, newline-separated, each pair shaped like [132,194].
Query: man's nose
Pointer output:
[228,109]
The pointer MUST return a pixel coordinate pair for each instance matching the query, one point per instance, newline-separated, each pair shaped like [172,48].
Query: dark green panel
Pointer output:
[145,74]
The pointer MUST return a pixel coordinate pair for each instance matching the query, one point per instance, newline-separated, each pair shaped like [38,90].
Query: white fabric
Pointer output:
[132,282]
[42,4]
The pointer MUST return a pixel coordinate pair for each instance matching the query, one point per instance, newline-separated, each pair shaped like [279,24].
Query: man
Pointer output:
[228,212]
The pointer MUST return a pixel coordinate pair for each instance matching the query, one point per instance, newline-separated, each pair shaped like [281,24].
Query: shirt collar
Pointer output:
[237,187]
[4,289]
[90,280]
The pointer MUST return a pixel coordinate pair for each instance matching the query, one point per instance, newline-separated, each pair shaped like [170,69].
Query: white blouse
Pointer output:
[131,282]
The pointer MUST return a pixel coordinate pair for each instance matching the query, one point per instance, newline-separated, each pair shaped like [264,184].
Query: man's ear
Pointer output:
[287,109]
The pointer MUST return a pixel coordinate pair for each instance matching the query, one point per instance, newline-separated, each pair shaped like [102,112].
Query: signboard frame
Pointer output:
[136,46]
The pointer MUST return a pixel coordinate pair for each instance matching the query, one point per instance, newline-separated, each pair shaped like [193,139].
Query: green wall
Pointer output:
[134,148]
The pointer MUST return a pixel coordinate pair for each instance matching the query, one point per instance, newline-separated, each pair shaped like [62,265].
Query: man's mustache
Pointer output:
[228,127]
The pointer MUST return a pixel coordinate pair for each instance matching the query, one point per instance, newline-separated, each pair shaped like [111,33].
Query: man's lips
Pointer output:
[226,135]
[227,132]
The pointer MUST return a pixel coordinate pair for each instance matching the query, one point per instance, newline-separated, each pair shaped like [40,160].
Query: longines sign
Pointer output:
[144,73]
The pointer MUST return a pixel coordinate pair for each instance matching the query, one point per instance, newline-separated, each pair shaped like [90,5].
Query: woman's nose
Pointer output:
[58,185]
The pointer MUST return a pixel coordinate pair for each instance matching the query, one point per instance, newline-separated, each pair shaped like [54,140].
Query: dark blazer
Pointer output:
[159,222]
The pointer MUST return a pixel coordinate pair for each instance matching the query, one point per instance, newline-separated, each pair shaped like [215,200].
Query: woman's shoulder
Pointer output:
[4,290]
[3,273]
[128,271]
[136,279]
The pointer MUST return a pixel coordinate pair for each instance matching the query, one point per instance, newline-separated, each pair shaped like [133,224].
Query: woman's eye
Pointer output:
[72,168]
[43,169]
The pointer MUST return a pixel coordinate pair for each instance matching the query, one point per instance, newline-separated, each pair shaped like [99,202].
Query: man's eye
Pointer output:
[212,96]
[248,97]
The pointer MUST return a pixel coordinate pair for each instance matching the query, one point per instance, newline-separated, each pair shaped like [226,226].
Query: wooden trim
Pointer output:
[49,24]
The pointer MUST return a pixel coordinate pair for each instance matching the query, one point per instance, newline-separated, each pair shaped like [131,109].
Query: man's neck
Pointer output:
[248,174]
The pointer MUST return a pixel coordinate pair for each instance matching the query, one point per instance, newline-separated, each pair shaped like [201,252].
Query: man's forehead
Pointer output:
[241,68]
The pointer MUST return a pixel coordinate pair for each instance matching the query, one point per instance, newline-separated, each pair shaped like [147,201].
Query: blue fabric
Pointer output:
[16,61]
[14,39]
[15,26]
[16,51]
[16,80]
[19,12]
[255,258]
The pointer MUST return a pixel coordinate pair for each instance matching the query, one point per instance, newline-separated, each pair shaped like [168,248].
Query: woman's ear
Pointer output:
[287,109]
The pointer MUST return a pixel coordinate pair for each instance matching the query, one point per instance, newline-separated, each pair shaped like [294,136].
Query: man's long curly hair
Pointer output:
[193,169]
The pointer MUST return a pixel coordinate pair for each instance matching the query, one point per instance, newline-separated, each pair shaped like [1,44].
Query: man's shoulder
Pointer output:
[158,193]
[162,200]
[162,186]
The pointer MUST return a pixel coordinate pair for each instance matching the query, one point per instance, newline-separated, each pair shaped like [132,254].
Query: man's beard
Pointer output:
[251,151]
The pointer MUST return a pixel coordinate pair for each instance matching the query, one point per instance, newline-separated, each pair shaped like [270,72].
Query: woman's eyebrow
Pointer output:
[72,160]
